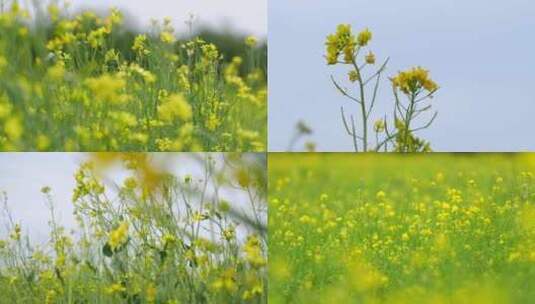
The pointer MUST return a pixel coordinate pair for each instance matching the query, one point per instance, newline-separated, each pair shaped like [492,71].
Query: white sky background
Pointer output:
[22,175]
[248,16]
[480,52]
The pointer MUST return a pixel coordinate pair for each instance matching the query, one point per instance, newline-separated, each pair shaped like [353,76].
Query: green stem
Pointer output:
[408,119]
[362,107]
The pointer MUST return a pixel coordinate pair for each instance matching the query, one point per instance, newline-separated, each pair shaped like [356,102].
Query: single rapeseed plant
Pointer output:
[344,48]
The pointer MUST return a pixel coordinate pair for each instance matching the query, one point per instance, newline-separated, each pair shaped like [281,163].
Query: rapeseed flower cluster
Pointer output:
[413,81]
[344,42]
[341,42]
[119,236]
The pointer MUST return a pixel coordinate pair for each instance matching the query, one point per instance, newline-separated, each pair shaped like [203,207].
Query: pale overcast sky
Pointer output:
[480,52]
[248,16]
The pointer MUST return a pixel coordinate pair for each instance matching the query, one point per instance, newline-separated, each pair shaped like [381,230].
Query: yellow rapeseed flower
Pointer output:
[42,142]
[364,37]
[140,45]
[13,128]
[175,106]
[370,58]
[381,195]
[353,76]
[226,282]
[251,41]
[115,288]
[167,37]
[413,80]
[107,88]
[56,72]
[343,41]
[253,252]
[118,236]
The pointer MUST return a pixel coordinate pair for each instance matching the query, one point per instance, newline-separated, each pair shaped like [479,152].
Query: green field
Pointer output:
[369,228]
[86,82]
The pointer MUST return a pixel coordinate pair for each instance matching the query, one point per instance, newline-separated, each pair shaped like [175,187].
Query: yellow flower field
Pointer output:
[82,82]
[150,237]
[371,228]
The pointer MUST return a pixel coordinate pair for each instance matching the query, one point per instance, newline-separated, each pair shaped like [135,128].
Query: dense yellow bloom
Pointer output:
[13,128]
[381,195]
[212,122]
[364,37]
[42,142]
[210,52]
[353,76]
[56,72]
[251,41]
[107,88]
[253,251]
[115,288]
[366,278]
[413,80]
[226,282]
[96,38]
[167,37]
[343,41]
[140,45]
[175,106]
[118,236]
[404,223]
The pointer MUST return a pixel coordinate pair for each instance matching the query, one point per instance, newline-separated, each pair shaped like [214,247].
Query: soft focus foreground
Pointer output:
[153,238]
[87,83]
[401,229]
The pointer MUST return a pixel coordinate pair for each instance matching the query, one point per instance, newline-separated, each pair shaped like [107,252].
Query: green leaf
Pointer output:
[107,250]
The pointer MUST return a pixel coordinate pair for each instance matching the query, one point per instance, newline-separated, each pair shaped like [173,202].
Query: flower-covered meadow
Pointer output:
[372,228]
[85,82]
[152,237]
